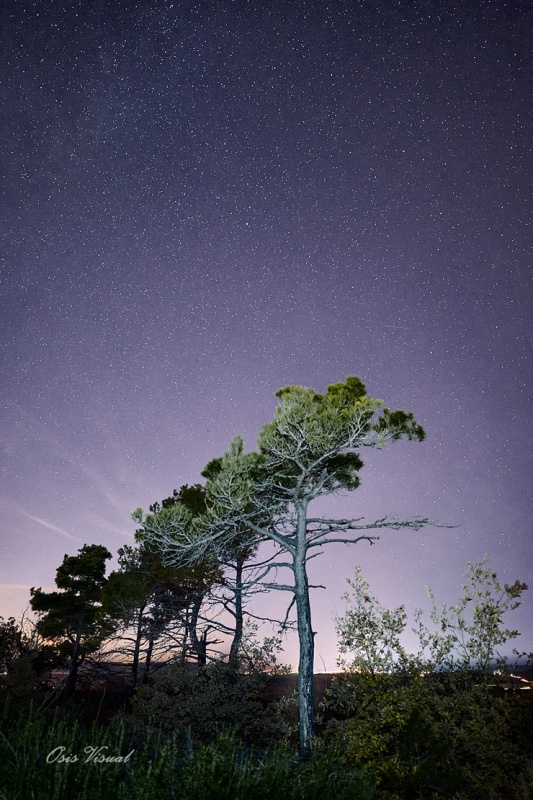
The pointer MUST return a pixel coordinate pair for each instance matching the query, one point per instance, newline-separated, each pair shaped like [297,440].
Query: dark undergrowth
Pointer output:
[59,758]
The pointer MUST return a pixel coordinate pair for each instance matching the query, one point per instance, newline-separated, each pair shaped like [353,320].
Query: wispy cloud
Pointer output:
[113,483]
[49,525]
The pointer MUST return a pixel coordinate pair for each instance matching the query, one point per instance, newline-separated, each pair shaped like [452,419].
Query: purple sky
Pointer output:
[204,202]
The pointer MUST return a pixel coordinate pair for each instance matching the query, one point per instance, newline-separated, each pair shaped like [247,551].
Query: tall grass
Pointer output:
[160,770]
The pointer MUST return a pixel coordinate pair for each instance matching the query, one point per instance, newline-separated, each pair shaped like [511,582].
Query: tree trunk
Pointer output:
[148,659]
[199,647]
[306,637]
[72,676]
[237,636]
[137,648]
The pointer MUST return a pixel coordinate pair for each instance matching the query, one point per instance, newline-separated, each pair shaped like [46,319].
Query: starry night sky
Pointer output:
[206,201]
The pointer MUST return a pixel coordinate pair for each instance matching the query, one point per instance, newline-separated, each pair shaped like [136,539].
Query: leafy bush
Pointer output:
[429,736]
[25,658]
[199,703]
[422,731]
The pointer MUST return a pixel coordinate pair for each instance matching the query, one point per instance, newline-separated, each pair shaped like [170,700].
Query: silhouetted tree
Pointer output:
[73,617]
[152,606]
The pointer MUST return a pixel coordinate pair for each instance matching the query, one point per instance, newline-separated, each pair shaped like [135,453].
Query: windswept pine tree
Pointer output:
[310,449]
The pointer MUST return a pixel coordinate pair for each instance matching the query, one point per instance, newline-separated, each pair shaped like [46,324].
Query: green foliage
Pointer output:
[432,735]
[144,586]
[12,644]
[81,579]
[147,600]
[309,447]
[176,530]
[219,772]
[319,432]
[468,633]
[423,728]
[399,423]
[312,431]
[192,497]
[199,702]
[370,633]
[196,703]
[24,657]
[84,575]
[160,770]
[231,492]
[255,656]
[73,618]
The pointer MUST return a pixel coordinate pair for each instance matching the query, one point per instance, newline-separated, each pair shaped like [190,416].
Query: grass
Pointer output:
[33,767]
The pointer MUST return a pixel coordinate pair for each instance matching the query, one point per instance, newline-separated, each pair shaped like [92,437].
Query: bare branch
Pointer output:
[281,586]
[370,539]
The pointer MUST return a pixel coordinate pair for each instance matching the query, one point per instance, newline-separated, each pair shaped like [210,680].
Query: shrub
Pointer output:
[199,703]
[421,730]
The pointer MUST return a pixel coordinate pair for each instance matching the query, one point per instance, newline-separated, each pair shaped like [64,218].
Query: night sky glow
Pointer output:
[206,201]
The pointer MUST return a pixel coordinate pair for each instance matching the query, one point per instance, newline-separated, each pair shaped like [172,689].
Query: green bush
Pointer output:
[199,703]
[432,736]
[432,726]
